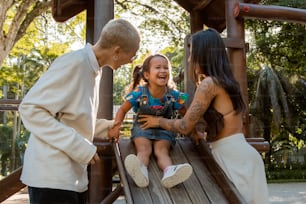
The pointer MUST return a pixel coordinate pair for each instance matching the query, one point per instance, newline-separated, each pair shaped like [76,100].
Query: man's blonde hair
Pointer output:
[119,32]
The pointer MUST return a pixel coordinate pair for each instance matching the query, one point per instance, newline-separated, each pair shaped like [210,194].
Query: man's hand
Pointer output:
[94,159]
[114,133]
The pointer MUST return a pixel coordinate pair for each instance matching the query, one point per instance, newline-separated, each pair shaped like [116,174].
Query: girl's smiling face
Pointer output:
[159,71]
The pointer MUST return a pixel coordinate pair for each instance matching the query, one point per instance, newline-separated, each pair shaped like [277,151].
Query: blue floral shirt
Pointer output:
[135,96]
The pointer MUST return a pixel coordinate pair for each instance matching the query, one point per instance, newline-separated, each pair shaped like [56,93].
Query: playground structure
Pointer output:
[208,184]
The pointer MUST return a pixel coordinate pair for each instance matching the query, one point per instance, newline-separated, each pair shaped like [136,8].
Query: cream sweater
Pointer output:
[60,111]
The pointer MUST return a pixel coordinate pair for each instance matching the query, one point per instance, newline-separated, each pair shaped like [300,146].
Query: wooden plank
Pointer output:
[158,193]
[10,102]
[11,185]
[194,189]
[201,187]
[212,192]
[139,195]
[259,144]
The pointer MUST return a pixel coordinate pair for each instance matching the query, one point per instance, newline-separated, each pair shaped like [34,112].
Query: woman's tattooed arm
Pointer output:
[204,94]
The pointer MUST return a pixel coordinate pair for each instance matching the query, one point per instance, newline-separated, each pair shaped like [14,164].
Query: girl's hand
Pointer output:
[148,121]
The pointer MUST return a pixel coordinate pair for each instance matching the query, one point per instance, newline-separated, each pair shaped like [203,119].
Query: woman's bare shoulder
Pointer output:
[209,87]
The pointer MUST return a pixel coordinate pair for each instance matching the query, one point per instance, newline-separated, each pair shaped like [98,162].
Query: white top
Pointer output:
[60,111]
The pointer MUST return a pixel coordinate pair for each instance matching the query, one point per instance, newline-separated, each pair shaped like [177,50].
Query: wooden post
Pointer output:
[195,25]
[100,175]
[104,11]
[235,30]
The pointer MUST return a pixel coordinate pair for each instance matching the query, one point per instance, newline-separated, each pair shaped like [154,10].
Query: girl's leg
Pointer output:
[173,174]
[143,149]
[136,166]
[161,151]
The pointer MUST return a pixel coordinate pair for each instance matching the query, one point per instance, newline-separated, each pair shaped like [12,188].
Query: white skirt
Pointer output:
[244,167]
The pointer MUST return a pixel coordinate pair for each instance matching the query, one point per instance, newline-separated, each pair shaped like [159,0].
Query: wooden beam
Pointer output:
[278,13]
[187,5]
[237,56]
[202,4]
[63,10]
[11,185]
[259,144]
[100,174]
[234,43]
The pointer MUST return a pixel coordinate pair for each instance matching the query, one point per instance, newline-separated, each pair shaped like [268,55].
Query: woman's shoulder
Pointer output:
[209,84]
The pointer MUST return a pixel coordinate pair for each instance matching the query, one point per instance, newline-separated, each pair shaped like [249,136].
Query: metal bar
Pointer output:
[11,184]
[278,13]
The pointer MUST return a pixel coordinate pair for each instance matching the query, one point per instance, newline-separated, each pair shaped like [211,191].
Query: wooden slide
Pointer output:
[208,183]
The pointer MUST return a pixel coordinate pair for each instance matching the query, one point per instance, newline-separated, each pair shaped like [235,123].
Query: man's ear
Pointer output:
[116,50]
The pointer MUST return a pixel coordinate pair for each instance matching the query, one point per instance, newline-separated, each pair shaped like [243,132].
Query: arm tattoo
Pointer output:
[204,95]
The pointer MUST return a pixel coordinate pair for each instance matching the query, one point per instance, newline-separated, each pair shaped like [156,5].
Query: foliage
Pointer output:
[165,20]
[286,174]
[292,171]
[9,161]
[271,102]
[15,17]
[43,41]
[277,63]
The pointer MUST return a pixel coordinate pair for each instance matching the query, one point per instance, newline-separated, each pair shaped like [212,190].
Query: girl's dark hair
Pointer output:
[209,53]
[137,76]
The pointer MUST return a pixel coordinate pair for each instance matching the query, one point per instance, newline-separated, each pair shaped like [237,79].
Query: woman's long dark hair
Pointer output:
[208,51]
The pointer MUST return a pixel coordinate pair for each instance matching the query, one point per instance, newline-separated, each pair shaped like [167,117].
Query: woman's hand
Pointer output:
[148,121]
[199,132]
[197,136]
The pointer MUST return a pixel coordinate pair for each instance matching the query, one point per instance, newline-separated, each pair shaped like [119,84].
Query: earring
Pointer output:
[115,57]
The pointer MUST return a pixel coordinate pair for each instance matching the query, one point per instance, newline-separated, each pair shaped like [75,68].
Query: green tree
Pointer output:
[15,18]
[277,63]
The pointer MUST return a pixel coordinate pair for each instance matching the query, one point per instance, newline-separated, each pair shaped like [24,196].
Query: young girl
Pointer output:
[156,96]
